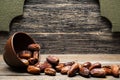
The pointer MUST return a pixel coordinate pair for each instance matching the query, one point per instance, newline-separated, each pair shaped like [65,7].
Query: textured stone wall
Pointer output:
[67,26]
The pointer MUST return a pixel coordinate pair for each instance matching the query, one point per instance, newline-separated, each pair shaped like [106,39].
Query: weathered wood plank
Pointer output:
[59,18]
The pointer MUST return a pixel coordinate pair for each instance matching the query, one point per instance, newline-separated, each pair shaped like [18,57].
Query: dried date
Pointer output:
[50,71]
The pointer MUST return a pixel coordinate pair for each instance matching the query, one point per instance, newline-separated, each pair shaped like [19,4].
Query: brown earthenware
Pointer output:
[16,43]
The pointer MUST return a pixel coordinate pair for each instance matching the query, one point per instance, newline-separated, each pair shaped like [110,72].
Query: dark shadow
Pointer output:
[99,77]
[4,33]
[94,1]
[107,22]
[86,76]
[27,2]
[89,1]
[116,35]
[18,70]
[16,19]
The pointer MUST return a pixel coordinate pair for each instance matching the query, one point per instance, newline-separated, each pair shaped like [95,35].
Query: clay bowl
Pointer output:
[16,43]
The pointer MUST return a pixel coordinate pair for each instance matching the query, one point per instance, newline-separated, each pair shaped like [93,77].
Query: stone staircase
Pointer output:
[67,26]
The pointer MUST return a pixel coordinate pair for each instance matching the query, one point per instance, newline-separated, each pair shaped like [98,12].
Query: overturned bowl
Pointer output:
[16,43]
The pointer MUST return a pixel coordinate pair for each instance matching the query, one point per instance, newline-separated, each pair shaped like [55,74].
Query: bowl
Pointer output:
[16,43]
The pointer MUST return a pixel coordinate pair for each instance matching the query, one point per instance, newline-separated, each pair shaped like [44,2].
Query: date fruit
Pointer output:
[115,70]
[59,67]
[25,54]
[87,64]
[83,71]
[34,47]
[36,54]
[95,65]
[25,61]
[98,72]
[107,69]
[33,70]
[50,71]
[65,69]
[69,63]
[32,61]
[73,70]
[43,66]
[53,60]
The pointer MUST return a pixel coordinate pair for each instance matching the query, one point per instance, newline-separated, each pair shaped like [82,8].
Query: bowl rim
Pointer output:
[10,62]
[12,40]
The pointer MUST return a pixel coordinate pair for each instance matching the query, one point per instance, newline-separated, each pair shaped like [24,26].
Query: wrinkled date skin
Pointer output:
[50,71]
[98,72]
[36,54]
[59,67]
[83,71]
[69,63]
[65,69]
[53,60]
[87,64]
[33,70]
[43,66]
[107,69]
[25,54]
[25,61]
[115,70]
[73,70]
[34,47]
[95,65]
[32,61]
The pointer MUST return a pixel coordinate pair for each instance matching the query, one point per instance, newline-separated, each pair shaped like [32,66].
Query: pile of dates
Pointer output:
[30,56]
[52,65]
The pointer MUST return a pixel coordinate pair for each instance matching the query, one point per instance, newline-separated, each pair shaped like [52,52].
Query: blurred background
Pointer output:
[65,27]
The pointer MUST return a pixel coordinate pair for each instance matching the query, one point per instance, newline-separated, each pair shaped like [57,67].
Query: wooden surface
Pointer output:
[6,73]
[66,26]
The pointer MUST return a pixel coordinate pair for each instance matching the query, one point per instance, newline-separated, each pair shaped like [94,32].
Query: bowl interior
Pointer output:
[21,41]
